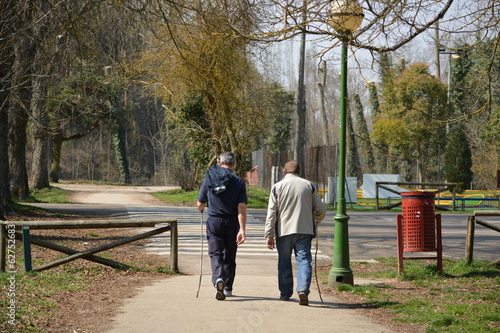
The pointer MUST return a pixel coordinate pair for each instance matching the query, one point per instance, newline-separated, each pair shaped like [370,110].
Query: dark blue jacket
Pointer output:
[225,203]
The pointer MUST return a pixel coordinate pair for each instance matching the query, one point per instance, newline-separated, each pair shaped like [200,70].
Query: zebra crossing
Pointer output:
[192,238]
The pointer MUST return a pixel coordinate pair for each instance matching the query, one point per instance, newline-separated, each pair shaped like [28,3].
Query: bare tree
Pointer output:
[7,18]
[24,46]
[388,24]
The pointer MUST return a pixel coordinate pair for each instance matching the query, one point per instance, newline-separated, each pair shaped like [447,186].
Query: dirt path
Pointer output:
[107,194]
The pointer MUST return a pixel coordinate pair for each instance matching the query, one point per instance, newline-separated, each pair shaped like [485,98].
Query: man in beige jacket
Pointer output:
[293,211]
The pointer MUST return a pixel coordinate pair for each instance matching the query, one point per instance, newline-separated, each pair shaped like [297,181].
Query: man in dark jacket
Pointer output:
[226,196]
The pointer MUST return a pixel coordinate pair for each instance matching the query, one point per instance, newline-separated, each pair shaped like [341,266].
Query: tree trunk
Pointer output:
[144,120]
[6,13]
[55,163]
[43,68]
[40,159]
[364,135]
[5,195]
[24,47]
[19,112]
[324,119]
[353,165]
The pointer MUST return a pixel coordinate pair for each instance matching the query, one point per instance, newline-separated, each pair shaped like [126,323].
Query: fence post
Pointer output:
[469,242]
[399,234]
[3,247]
[174,241]
[27,248]
[439,239]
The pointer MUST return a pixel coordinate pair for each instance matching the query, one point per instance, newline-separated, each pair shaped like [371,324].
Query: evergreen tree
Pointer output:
[470,91]
[280,104]
[459,87]
[458,158]
[409,123]
[368,161]
[381,150]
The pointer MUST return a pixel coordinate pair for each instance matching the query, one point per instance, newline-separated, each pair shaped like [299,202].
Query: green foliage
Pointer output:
[119,144]
[374,102]
[410,122]
[190,139]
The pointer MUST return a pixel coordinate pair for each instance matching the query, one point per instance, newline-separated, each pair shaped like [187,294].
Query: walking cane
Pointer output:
[201,255]
[316,263]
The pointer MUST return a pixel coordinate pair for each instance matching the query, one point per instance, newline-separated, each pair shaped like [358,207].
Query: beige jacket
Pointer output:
[294,208]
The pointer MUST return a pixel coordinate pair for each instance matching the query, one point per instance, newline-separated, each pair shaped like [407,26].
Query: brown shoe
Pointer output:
[303,299]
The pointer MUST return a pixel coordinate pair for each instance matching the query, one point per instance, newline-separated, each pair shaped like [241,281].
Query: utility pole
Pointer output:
[436,50]
[301,100]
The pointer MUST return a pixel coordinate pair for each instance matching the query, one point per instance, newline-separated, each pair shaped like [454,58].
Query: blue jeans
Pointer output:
[301,245]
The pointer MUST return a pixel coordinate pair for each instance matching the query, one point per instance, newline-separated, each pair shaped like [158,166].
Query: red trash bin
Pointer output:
[419,228]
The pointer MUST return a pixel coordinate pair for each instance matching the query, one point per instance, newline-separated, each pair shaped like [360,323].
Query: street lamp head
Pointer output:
[345,16]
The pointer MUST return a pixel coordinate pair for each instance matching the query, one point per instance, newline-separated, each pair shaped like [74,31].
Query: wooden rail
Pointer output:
[471,226]
[443,187]
[8,234]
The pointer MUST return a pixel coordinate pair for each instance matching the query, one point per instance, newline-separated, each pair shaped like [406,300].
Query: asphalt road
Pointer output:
[371,234]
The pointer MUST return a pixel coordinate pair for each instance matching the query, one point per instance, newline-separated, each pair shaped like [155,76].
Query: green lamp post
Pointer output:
[345,16]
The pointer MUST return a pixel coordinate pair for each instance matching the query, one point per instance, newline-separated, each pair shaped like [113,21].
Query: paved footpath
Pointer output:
[171,305]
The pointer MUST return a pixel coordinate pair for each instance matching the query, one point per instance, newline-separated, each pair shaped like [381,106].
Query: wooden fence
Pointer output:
[319,164]
[471,225]
[8,235]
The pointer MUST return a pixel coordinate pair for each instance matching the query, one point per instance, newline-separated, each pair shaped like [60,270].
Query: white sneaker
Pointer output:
[219,285]
[228,293]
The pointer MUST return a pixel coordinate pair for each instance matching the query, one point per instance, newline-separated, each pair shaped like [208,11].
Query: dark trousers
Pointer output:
[221,237]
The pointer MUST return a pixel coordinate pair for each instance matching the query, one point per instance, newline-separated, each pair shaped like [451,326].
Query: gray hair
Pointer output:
[291,167]
[227,158]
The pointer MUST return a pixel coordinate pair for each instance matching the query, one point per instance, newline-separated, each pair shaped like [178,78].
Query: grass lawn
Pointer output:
[463,299]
